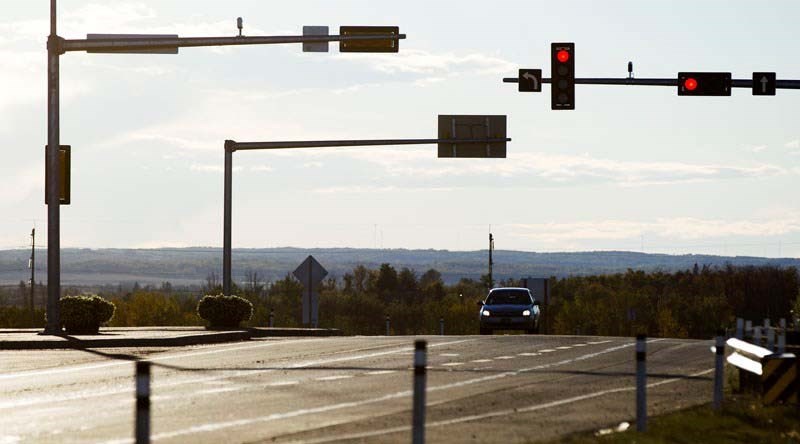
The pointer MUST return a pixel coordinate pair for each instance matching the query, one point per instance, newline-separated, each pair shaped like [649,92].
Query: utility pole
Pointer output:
[32,266]
[491,262]
[351,39]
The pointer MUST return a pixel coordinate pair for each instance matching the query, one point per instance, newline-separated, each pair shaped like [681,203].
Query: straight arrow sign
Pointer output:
[764,83]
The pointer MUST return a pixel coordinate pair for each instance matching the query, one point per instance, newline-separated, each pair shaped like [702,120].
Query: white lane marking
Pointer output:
[81,367]
[334,378]
[380,372]
[547,350]
[528,354]
[480,361]
[504,357]
[563,348]
[579,345]
[282,383]
[452,364]
[216,390]
[503,413]
[598,342]
[449,355]
[96,394]
[211,427]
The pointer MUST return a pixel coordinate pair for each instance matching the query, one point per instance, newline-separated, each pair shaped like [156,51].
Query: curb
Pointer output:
[72,342]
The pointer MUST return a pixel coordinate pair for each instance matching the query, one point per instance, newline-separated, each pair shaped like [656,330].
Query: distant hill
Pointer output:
[191,266]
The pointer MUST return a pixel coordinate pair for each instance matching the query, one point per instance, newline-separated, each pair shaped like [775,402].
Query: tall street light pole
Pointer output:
[352,39]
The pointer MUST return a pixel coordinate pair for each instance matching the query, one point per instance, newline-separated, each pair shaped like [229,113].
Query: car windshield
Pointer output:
[508,297]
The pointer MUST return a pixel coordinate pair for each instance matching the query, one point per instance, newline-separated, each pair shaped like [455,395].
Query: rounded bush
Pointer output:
[85,314]
[224,311]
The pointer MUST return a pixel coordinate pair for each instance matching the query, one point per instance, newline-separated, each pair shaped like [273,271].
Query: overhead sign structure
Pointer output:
[704,83]
[370,45]
[562,73]
[64,175]
[764,83]
[530,80]
[470,128]
[310,273]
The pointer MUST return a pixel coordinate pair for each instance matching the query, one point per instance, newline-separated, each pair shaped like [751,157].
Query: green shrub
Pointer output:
[85,314]
[224,311]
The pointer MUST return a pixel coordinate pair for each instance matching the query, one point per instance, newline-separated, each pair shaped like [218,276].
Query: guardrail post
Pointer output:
[739,328]
[418,422]
[271,317]
[142,402]
[748,329]
[388,324]
[771,338]
[441,326]
[757,335]
[641,383]
[718,370]
[782,336]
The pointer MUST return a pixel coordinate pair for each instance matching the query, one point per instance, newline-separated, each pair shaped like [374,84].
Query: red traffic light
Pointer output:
[563,56]
[690,84]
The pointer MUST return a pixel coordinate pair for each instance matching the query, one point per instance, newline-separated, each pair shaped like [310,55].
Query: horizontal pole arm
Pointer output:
[122,44]
[236,146]
[735,83]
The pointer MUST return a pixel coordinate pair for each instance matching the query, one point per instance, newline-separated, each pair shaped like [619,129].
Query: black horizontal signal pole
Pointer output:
[735,83]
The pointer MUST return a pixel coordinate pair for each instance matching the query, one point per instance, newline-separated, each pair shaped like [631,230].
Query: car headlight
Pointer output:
[526,313]
[486,313]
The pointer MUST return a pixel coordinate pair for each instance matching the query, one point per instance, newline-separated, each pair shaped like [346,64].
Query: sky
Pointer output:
[632,168]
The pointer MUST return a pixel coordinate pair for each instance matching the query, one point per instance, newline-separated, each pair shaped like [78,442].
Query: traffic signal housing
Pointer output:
[704,83]
[562,73]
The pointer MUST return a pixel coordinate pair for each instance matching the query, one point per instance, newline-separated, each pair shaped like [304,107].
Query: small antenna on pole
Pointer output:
[630,70]
[239,25]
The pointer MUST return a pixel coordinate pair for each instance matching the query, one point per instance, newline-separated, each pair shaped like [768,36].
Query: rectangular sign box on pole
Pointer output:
[472,127]
[64,169]
[378,45]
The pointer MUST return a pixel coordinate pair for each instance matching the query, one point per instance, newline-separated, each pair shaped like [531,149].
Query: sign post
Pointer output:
[310,273]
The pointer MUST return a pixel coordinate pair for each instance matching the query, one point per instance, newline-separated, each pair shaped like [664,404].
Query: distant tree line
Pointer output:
[686,304]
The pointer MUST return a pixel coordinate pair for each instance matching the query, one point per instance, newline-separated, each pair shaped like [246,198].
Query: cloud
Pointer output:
[206,168]
[681,228]
[756,149]
[794,144]
[561,168]
[357,189]
[416,61]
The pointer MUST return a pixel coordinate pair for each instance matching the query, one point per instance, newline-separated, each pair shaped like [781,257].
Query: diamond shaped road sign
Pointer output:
[310,273]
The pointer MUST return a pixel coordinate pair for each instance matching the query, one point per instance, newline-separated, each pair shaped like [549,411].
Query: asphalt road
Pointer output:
[503,389]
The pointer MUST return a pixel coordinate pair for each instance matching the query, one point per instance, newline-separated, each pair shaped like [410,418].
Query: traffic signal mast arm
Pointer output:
[241,146]
[735,83]
[155,43]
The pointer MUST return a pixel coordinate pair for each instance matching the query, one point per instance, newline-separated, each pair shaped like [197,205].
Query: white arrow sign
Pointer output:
[764,81]
[532,78]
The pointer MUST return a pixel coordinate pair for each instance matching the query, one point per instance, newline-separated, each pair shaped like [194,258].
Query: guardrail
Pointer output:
[774,375]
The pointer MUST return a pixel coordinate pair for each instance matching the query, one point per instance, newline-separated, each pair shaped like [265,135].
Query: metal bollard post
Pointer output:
[748,329]
[718,370]
[641,383]
[739,328]
[387,325]
[271,318]
[441,326]
[142,431]
[757,335]
[418,423]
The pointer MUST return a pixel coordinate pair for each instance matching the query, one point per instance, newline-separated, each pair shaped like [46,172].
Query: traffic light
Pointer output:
[704,83]
[562,73]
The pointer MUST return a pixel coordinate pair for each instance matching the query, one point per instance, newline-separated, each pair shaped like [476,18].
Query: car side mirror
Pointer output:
[480,303]
[536,303]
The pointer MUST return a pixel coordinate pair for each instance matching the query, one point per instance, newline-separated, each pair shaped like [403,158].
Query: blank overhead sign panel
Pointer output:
[468,132]
[370,45]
